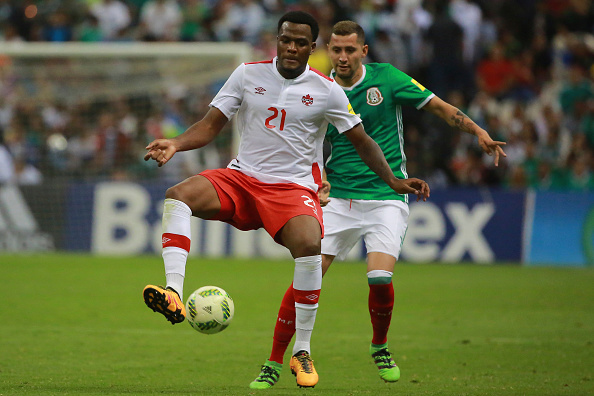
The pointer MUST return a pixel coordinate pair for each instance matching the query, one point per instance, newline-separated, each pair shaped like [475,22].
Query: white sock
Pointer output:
[307,277]
[176,224]
[305,318]
[175,268]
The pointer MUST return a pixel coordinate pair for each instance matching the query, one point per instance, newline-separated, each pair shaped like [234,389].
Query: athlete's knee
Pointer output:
[307,245]
[179,193]
[192,192]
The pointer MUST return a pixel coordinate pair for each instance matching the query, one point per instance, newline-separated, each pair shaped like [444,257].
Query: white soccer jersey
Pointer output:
[283,121]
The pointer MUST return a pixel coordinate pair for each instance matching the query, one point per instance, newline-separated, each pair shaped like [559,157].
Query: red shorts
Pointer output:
[249,204]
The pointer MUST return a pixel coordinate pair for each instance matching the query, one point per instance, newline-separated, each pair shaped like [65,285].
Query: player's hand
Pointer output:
[491,146]
[161,150]
[324,192]
[413,186]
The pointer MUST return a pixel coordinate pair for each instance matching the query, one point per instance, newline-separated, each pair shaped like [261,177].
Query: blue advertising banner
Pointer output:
[113,217]
[454,225]
[479,225]
[562,229]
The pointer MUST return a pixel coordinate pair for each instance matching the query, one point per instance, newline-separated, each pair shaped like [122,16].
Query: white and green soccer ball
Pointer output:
[210,309]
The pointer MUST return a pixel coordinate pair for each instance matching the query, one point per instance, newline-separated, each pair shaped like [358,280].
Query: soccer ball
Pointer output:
[210,309]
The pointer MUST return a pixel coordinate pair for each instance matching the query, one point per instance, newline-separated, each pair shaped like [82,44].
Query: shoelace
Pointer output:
[305,361]
[268,374]
[383,359]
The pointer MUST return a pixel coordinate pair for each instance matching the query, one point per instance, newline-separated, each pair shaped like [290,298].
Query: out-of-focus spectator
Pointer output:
[89,29]
[445,40]
[113,146]
[542,60]
[469,16]
[533,82]
[523,88]
[160,20]
[82,149]
[389,48]
[26,174]
[58,28]
[412,20]
[11,35]
[587,124]
[6,165]
[473,171]
[580,177]
[576,92]
[266,47]
[578,16]
[22,144]
[240,20]
[515,150]
[531,165]
[6,10]
[196,20]
[113,16]
[55,115]
[494,75]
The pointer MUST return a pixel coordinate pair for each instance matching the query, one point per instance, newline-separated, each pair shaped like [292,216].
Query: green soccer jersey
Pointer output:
[377,99]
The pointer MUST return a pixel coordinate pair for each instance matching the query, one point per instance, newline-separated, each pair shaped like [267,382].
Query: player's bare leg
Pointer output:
[193,196]
[380,267]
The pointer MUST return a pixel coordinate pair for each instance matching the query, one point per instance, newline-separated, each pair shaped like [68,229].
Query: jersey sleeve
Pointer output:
[407,91]
[339,111]
[229,98]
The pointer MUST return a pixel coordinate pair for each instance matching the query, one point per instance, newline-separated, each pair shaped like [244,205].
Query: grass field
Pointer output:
[76,324]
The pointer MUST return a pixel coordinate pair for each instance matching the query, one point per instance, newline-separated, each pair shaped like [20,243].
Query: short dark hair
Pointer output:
[346,28]
[302,18]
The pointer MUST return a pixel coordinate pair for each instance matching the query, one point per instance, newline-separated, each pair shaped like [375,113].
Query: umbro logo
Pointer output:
[307,100]
[312,297]
[260,91]
[165,240]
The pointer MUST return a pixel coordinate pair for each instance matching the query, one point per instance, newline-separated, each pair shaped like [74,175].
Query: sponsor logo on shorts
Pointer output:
[309,202]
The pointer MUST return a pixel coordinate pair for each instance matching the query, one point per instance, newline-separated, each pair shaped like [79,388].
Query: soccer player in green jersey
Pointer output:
[361,206]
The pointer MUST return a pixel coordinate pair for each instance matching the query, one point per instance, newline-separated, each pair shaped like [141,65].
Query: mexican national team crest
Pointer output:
[374,96]
[307,100]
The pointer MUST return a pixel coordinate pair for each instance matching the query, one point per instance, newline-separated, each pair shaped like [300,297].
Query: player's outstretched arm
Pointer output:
[371,153]
[456,118]
[196,136]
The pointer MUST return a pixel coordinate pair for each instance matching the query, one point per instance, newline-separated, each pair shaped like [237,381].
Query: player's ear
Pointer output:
[365,49]
[313,47]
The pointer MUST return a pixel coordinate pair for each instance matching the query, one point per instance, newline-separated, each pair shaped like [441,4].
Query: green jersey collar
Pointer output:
[333,75]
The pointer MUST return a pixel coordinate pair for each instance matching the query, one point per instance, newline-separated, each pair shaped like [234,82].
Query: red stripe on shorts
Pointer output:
[176,240]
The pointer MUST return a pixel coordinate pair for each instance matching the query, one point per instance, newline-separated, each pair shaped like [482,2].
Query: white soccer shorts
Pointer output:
[381,224]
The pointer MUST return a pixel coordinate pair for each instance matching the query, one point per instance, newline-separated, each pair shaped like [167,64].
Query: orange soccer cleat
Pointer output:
[166,302]
[302,367]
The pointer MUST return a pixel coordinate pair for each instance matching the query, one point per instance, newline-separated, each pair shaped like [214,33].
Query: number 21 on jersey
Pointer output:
[275,115]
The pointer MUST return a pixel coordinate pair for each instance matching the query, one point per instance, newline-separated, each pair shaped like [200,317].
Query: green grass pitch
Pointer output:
[77,325]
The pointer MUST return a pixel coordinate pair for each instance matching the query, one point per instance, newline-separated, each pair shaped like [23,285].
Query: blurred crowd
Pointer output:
[521,69]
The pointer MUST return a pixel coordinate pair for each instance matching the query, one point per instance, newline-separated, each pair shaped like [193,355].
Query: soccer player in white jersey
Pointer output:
[283,108]
[360,206]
